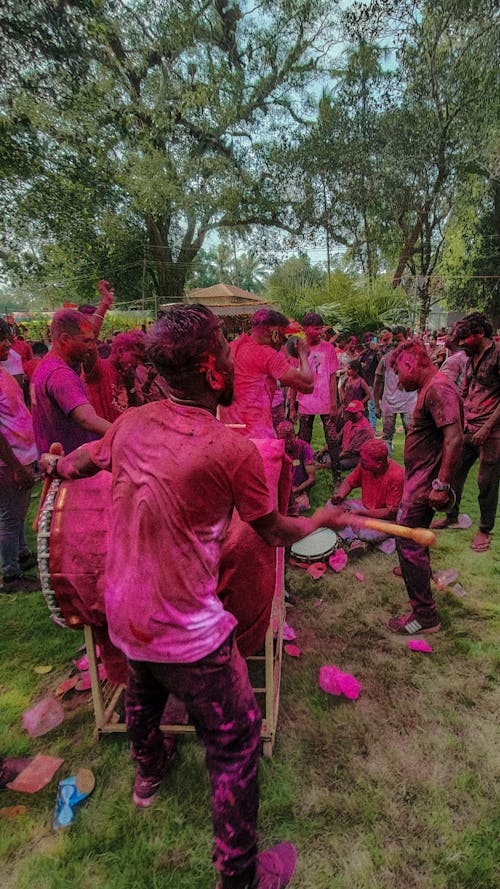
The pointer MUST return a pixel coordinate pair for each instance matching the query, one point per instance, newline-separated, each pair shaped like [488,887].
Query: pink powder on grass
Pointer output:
[419,645]
[335,682]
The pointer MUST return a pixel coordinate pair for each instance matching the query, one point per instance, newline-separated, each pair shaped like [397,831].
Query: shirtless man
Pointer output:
[177,476]
[432,450]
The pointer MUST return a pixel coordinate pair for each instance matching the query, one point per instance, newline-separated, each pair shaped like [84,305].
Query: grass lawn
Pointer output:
[397,789]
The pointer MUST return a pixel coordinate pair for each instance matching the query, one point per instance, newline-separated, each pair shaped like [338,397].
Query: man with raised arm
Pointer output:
[177,475]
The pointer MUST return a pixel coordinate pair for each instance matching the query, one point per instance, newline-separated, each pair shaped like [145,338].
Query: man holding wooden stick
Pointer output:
[432,449]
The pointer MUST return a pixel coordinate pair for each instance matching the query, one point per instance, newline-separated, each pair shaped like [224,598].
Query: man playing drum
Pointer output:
[177,474]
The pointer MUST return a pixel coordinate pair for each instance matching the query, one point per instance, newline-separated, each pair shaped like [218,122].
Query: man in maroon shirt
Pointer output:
[482,424]
[432,449]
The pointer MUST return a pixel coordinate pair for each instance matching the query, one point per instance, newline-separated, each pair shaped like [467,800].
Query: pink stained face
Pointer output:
[129,358]
[471,344]
[407,371]
[81,344]
[314,333]
[288,438]
[375,466]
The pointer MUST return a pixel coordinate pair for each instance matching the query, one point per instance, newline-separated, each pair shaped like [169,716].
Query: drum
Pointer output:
[72,544]
[316,546]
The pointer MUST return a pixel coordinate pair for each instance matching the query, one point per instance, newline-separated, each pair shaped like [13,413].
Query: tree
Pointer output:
[444,120]
[294,284]
[471,260]
[392,142]
[159,113]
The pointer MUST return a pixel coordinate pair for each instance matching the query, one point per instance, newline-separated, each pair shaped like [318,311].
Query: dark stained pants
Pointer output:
[414,560]
[332,440]
[219,699]
[487,480]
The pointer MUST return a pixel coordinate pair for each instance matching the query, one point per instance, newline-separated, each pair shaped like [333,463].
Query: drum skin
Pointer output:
[78,545]
[316,546]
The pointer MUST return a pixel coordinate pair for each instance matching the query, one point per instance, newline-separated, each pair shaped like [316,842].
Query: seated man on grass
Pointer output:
[355,432]
[381,483]
[303,471]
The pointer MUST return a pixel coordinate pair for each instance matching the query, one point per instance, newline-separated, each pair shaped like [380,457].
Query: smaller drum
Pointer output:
[316,546]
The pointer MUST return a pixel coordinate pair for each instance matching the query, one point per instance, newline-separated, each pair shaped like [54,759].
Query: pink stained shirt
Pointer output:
[55,391]
[324,363]
[379,491]
[177,474]
[15,420]
[256,369]
[106,390]
[354,435]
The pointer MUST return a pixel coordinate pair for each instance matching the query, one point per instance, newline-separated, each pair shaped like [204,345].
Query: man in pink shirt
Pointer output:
[110,383]
[356,430]
[381,482]
[258,364]
[322,400]
[17,455]
[59,403]
[177,475]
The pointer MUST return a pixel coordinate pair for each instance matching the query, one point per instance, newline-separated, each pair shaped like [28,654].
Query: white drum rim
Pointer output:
[43,553]
[317,556]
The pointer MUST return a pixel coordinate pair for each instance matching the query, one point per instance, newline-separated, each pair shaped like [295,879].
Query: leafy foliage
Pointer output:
[163,123]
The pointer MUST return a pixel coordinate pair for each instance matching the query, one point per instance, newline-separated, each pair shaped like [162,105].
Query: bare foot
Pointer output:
[481,542]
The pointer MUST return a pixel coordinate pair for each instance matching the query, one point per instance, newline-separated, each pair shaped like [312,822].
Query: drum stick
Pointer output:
[420,535]
[56,449]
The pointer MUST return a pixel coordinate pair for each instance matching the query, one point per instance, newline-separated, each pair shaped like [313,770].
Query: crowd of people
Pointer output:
[170,413]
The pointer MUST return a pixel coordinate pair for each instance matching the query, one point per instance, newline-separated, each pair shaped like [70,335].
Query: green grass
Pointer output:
[397,789]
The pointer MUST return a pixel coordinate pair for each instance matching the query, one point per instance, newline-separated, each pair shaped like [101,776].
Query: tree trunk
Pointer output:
[171,279]
[424,303]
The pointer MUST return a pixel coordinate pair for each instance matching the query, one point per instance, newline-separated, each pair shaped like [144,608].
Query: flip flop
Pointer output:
[481,547]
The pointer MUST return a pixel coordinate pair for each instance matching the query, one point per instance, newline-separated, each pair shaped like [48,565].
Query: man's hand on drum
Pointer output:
[330,518]
[47,461]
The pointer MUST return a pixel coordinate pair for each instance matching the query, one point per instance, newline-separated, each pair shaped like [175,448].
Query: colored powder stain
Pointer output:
[335,682]
[227,726]
[288,633]
[419,645]
[338,561]
[293,650]
[142,637]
